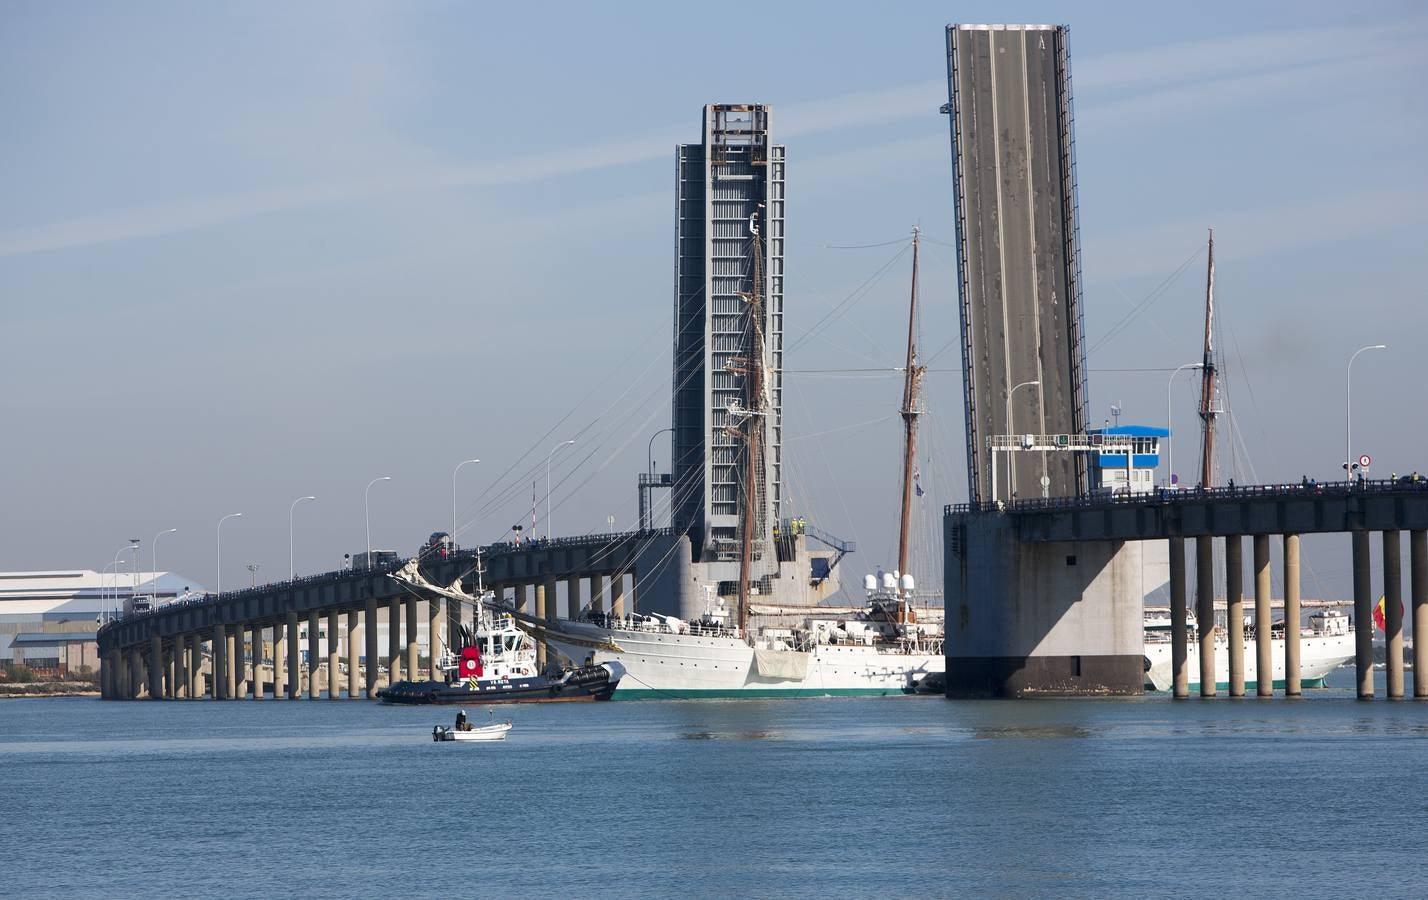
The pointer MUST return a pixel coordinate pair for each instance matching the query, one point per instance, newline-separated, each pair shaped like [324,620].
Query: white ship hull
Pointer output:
[1318,656]
[660,664]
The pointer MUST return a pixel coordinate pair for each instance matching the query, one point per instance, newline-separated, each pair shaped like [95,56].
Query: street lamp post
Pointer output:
[548,457]
[218,580]
[1349,410]
[367,514]
[1011,469]
[290,533]
[106,598]
[1169,447]
[453,495]
[154,562]
[649,452]
[115,599]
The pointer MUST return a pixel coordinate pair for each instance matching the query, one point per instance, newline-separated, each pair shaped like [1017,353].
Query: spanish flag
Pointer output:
[1379,614]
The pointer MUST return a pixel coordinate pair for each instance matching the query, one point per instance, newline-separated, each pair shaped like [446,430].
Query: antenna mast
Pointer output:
[1208,385]
[910,411]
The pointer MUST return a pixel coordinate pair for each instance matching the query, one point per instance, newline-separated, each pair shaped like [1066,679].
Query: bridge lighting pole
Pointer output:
[548,458]
[1011,467]
[290,533]
[154,562]
[1169,447]
[1349,410]
[218,580]
[453,495]
[367,514]
[114,601]
[109,596]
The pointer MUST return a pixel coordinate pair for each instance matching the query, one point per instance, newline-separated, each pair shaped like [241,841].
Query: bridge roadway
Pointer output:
[160,653]
[1229,513]
[1009,99]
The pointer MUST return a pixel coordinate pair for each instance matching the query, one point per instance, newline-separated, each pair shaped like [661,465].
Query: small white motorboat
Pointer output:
[493,732]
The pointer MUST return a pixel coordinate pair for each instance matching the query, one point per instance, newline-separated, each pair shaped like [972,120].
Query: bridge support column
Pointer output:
[156,668]
[454,613]
[617,595]
[280,661]
[1205,630]
[369,640]
[572,597]
[1292,686]
[1235,611]
[1179,638]
[219,675]
[314,629]
[257,662]
[597,594]
[181,666]
[433,636]
[1418,586]
[1363,615]
[196,667]
[413,671]
[294,683]
[518,596]
[354,662]
[173,666]
[1263,624]
[334,667]
[394,641]
[540,600]
[1393,612]
[232,662]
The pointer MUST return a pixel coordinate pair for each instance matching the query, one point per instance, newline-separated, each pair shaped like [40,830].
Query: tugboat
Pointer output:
[497,663]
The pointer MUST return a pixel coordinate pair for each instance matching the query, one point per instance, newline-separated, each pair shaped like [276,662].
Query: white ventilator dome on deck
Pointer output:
[889,581]
[870,582]
[905,582]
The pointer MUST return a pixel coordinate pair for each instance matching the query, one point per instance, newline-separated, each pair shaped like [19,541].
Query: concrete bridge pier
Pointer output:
[1363,615]
[280,661]
[1292,682]
[294,682]
[572,597]
[1039,618]
[354,662]
[541,590]
[369,640]
[232,662]
[172,664]
[1235,611]
[181,679]
[394,641]
[314,686]
[195,668]
[1179,637]
[156,668]
[1263,624]
[1418,586]
[220,663]
[434,615]
[597,594]
[413,659]
[617,595]
[334,669]
[1393,612]
[1205,630]
[257,647]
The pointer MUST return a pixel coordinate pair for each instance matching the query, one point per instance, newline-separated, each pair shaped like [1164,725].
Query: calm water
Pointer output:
[838,797]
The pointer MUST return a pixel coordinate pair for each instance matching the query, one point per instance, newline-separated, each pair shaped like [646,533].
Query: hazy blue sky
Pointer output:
[257,251]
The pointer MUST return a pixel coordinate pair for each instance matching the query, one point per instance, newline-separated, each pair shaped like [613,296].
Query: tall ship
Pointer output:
[887,646]
[1326,644]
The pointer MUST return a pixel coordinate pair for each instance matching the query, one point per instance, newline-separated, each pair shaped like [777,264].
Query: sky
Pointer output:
[255,252]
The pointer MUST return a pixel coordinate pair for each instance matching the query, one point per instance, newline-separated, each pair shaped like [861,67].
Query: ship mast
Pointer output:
[753,370]
[1207,378]
[910,410]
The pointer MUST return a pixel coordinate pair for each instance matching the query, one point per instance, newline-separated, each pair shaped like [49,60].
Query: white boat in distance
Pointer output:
[1325,645]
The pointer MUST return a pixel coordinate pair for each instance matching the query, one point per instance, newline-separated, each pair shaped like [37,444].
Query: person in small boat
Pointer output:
[461,723]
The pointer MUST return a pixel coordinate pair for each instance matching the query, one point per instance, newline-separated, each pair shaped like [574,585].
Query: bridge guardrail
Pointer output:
[1160,496]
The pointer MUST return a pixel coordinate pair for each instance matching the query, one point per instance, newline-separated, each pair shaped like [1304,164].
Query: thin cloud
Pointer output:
[1248,68]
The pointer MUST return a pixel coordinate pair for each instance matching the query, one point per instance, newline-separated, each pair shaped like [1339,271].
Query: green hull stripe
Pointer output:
[1225,685]
[750,693]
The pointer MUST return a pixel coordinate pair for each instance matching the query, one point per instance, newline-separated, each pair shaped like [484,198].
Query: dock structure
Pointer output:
[224,646]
